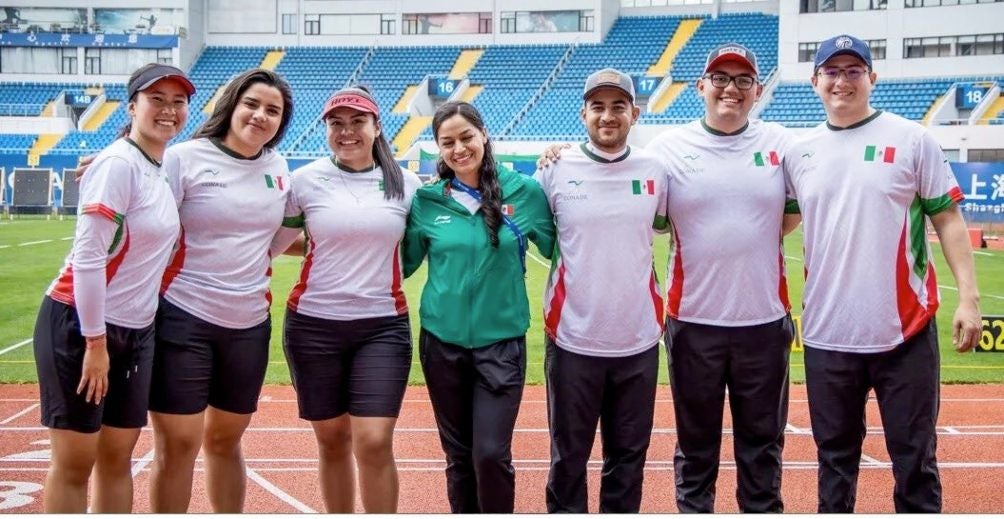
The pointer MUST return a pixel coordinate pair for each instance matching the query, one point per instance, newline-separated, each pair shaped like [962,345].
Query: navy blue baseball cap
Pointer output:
[840,45]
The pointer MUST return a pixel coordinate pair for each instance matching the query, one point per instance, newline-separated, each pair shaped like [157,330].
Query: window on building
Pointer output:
[508,21]
[807,52]
[289,23]
[92,61]
[312,24]
[387,24]
[586,21]
[68,60]
[165,56]
[963,45]
[409,24]
[485,23]
[939,3]
[833,6]
[988,155]
[878,49]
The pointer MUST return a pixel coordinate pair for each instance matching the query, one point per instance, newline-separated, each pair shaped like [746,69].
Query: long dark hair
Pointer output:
[393,178]
[491,190]
[218,123]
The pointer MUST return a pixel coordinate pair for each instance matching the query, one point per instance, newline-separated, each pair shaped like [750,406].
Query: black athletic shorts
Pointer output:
[360,366]
[198,364]
[59,359]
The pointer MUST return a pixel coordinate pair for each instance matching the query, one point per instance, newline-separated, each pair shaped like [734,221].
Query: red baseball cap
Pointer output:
[354,98]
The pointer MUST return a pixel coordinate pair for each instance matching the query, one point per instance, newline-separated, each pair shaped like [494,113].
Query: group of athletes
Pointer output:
[163,302]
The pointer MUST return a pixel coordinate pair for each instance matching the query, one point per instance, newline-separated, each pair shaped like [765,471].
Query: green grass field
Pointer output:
[27,268]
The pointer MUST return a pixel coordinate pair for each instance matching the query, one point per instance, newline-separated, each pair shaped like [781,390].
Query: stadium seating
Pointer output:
[528,92]
[796,104]
[15,142]
[631,46]
[387,71]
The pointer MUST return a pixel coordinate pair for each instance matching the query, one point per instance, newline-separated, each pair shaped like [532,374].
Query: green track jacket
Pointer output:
[475,295]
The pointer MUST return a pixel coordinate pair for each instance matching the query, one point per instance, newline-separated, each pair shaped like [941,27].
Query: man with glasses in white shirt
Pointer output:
[728,325]
[865,182]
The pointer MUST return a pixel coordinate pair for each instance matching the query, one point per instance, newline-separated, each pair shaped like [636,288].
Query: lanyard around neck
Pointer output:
[520,240]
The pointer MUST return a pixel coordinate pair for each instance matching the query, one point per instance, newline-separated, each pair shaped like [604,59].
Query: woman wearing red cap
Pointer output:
[213,324]
[94,338]
[347,336]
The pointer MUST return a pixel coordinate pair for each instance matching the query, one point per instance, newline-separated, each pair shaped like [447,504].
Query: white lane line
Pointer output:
[953,289]
[278,492]
[793,258]
[14,347]
[792,429]
[19,415]
[538,260]
[981,253]
[4,246]
[597,465]
[27,243]
[963,430]
[870,460]
[67,238]
[142,463]
[724,466]
[952,430]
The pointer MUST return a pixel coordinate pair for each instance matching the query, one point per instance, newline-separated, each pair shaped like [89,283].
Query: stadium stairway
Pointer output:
[44,143]
[926,121]
[465,62]
[683,33]
[211,104]
[401,107]
[411,129]
[659,104]
[272,59]
[471,92]
[100,116]
[994,112]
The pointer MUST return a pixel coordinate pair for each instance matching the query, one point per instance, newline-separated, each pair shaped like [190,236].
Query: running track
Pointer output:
[282,457]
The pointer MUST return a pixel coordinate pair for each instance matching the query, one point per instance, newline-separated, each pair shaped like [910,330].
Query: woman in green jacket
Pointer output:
[474,225]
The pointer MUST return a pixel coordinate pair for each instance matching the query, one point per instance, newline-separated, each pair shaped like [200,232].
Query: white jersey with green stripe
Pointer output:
[864,192]
[352,265]
[603,297]
[726,202]
[127,187]
[230,209]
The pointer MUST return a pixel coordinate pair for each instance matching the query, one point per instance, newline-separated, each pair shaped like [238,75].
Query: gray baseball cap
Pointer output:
[609,78]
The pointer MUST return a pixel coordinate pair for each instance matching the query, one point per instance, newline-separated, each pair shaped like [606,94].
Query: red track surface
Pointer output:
[282,456]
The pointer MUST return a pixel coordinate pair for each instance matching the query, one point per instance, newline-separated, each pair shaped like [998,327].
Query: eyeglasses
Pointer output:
[720,80]
[833,73]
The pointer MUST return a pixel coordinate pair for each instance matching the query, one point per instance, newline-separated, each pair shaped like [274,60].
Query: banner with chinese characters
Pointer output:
[44,39]
[982,184]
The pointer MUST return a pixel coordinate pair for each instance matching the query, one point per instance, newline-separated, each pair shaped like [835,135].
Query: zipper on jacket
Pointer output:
[470,289]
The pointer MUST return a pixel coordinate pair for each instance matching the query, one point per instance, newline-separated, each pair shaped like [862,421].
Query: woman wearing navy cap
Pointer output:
[94,338]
